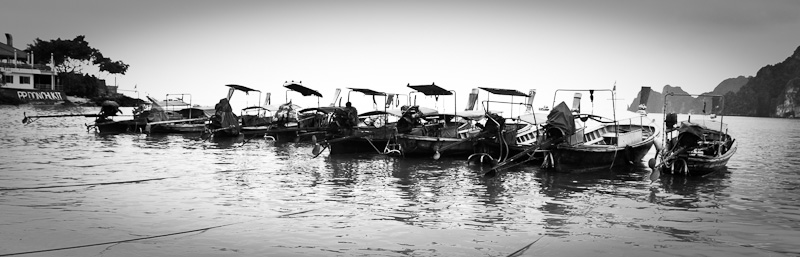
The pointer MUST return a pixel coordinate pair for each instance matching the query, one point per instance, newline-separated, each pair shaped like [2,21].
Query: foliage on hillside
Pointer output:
[768,94]
[766,91]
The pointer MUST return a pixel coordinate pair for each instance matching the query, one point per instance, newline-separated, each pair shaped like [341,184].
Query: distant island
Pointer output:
[773,92]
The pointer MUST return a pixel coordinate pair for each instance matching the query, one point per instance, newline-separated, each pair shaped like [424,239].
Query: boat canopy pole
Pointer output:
[531,95]
[722,107]
[455,102]
[613,102]
[190,102]
[613,107]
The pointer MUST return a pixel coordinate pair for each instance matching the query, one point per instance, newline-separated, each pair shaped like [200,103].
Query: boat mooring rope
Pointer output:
[149,237]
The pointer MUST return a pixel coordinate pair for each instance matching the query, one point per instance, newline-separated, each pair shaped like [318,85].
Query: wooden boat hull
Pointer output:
[122,126]
[495,150]
[601,151]
[296,135]
[699,165]
[358,145]
[425,146]
[177,128]
[587,158]
[374,140]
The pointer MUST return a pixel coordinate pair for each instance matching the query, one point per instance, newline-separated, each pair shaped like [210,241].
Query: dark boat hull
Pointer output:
[358,145]
[588,158]
[698,166]
[494,149]
[122,126]
[296,135]
[363,140]
[424,146]
[177,128]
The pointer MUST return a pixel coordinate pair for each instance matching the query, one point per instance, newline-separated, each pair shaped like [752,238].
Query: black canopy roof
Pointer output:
[431,89]
[295,86]
[242,88]
[367,91]
[502,91]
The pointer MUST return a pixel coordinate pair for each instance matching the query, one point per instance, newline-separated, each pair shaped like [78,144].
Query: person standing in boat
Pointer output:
[352,115]
[108,108]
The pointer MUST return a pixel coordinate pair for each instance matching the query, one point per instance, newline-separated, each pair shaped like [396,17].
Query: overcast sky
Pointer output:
[199,46]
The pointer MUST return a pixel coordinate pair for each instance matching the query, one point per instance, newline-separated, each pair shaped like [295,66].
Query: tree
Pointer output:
[70,56]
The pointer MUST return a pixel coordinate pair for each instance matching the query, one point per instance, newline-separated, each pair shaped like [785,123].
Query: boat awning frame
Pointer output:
[367,91]
[302,89]
[431,89]
[503,91]
[244,89]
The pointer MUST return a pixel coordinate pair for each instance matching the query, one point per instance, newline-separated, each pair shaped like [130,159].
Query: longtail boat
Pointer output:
[224,123]
[503,137]
[438,134]
[105,121]
[694,148]
[580,142]
[175,116]
[370,132]
[293,123]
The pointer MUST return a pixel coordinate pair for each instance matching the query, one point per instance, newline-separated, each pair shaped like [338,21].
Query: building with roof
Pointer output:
[21,78]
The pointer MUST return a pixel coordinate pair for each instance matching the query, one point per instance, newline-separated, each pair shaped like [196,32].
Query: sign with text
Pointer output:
[29,96]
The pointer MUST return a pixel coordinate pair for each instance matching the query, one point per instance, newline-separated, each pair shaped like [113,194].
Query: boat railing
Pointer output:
[641,121]
[486,103]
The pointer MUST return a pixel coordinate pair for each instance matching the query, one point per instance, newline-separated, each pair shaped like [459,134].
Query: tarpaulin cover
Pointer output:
[225,115]
[689,134]
[692,128]
[561,118]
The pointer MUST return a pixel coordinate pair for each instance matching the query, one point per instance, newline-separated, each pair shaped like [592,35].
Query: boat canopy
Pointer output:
[244,89]
[431,89]
[323,109]
[295,86]
[366,91]
[501,91]
[390,112]
[266,107]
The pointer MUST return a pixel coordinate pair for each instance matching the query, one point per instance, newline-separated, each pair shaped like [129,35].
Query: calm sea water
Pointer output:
[61,187]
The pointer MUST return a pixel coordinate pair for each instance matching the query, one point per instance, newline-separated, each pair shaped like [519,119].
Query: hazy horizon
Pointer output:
[197,47]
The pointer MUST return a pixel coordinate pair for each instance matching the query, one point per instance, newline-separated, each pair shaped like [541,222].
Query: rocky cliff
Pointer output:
[790,107]
[765,95]
[773,92]
[679,103]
